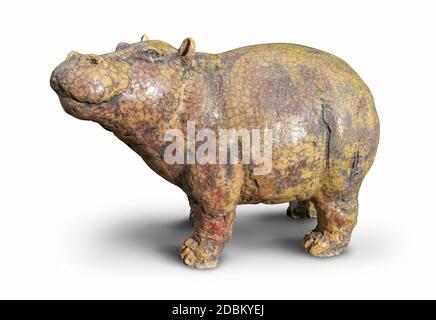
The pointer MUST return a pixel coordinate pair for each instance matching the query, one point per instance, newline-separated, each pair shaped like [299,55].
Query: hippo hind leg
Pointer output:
[349,155]
[336,205]
[336,219]
[301,209]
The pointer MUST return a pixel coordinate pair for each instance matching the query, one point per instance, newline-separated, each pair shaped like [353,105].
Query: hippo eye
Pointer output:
[149,54]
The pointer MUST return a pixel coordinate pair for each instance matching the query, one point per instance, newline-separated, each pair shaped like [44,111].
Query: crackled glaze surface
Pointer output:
[322,115]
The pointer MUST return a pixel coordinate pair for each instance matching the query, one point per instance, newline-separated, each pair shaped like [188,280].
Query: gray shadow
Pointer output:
[270,231]
[147,235]
[256,233]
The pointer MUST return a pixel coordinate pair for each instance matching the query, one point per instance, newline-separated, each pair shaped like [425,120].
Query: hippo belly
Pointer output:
[295,175]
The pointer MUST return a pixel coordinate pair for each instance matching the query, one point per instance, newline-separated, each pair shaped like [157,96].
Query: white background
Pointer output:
[81,216]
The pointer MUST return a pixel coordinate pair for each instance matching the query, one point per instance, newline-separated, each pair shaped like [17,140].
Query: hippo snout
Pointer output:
[89,78]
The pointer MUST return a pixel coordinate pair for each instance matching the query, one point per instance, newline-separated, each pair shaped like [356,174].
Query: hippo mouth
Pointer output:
[88,111]
[85,110]
[75,107]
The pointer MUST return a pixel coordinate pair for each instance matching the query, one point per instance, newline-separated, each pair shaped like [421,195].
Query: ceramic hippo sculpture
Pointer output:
[321,115]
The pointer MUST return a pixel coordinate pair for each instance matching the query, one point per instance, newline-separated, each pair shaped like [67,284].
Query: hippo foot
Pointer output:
[202,255]
[325,244]
[301,210]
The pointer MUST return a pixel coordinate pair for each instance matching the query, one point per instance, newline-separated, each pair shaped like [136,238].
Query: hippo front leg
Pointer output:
[214,194]
[211,231]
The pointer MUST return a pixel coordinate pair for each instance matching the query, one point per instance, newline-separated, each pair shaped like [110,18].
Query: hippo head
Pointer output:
[135,88]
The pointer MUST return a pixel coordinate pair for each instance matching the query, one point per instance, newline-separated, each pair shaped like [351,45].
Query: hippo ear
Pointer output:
[144,37]
[121,46]
[187,49]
